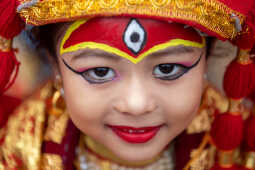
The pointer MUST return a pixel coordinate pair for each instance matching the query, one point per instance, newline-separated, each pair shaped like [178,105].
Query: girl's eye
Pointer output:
[169,71]
[99,75]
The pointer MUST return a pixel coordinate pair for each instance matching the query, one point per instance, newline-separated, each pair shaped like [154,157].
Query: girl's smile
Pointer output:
[135,135]
[133,106]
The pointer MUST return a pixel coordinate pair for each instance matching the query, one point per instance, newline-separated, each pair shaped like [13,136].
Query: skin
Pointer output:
[134,98]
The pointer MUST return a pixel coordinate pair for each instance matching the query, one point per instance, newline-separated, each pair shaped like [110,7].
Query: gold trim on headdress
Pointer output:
[213,15]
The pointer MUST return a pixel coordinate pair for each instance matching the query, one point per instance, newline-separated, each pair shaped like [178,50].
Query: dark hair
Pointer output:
[44,37]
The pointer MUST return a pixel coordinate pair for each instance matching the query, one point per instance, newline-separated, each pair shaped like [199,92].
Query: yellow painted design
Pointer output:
[93,45]
[68,33]
[210,14]
[110,49]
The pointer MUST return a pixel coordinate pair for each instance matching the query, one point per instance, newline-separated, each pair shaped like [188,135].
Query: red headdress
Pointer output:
[232,20]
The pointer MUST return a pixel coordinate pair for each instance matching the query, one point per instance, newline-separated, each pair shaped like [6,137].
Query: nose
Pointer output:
[136,99]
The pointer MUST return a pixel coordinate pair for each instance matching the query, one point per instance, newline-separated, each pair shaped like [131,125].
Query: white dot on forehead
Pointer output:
[134,36]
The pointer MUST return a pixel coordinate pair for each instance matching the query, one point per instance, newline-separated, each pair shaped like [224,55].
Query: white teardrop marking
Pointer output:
[134,36]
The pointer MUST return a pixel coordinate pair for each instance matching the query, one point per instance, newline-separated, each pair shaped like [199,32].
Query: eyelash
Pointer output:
[180,68]
[87,73]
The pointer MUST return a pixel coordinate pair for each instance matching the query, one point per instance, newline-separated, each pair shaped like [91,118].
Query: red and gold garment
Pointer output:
[35,139]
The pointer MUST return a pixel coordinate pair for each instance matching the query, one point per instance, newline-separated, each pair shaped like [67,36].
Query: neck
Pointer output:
[103,153]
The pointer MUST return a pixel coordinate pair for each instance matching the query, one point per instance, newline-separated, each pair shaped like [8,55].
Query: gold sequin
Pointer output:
[213,14]
[56,128]
[5,44]
[51,162]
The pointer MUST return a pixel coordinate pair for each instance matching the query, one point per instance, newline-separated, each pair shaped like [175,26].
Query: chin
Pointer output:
[137,157]
[138,152]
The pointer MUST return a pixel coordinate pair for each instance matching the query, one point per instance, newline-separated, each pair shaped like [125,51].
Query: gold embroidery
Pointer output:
[159,3]
[107,4]
[243,57]
[21,148]
[196,155]
[202,162]
[226,158]
[212,100]
[249,161]
[134,2]
[22,145]
[51,162]
[213,14]
[5,44]
[56,128]
[46,92]
[201,123]
[215,100]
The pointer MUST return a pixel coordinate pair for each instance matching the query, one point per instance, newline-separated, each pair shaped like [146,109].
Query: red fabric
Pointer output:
[218,167]
[239,80]
[10,23]
[242,6]
[7,106]
[249,133]
[110,31]
[251,23]
[227,131]
[244,168]
[67,148]
[183,146]
[8,64]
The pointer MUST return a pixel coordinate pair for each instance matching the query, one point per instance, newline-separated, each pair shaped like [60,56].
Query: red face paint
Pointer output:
[130,37]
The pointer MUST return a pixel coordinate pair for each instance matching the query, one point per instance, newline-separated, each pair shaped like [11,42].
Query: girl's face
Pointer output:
[134,107]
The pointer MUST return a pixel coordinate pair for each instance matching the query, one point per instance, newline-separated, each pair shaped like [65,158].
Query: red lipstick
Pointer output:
[135,135]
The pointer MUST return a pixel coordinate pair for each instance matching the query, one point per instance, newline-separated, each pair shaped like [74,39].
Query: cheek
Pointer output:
[85,107]
[184,98]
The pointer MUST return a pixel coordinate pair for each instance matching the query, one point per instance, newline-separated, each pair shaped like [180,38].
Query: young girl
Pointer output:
[128,80]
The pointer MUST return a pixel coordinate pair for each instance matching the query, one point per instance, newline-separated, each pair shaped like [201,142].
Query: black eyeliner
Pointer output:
[187,69]
[195,64]
[80,73]
[70,68]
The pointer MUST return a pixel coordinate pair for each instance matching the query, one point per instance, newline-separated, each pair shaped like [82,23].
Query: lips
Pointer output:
[135,135]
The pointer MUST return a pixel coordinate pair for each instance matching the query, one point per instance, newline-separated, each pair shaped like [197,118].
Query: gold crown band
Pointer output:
[209,14]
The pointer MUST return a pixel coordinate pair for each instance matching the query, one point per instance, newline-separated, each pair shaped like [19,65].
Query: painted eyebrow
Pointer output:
[165,52]
[98,53]
[173,51]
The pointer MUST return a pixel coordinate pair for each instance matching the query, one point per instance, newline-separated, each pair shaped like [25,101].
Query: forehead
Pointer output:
[131,38]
